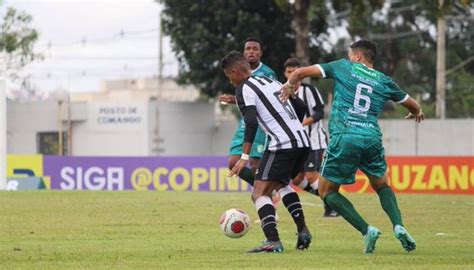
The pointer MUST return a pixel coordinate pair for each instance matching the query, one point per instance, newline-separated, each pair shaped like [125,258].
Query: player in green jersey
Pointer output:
[360,93]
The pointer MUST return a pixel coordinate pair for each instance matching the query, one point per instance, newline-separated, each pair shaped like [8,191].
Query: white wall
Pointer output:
[186,128]
[191,129]
[24,120]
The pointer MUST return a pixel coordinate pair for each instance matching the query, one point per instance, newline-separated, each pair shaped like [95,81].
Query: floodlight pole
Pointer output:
[3,123]
[441,65]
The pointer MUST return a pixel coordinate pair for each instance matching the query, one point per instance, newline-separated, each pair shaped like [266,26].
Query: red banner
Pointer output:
[447,175]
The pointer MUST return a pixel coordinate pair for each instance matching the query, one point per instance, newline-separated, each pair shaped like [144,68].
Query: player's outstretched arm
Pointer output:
[415,110]
[288,89]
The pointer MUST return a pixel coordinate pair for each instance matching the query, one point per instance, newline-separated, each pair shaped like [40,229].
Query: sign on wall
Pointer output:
[117,115]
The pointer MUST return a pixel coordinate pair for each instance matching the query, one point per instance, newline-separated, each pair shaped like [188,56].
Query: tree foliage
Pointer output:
[202,32]
[405,31]
[17,38]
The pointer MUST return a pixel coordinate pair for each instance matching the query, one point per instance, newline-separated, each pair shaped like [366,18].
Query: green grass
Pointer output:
[58,230]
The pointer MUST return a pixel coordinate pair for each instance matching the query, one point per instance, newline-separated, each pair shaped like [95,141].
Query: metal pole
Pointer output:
[441,66]
[69,125]
[159,84]
[3,131]
[160,50]
[3,119]
[60,128]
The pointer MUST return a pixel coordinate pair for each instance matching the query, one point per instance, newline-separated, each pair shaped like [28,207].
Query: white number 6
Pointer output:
[362,108]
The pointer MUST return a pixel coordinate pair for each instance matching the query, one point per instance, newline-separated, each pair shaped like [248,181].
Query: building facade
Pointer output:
[152,118]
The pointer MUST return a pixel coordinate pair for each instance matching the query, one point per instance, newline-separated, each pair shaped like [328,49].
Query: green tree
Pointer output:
[202,32]
[17,38]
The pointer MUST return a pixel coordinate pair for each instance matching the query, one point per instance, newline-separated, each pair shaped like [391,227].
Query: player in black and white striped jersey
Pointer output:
[258,101]
[308,179]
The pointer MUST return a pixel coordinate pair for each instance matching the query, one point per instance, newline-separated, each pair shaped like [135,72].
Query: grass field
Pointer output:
[58,230]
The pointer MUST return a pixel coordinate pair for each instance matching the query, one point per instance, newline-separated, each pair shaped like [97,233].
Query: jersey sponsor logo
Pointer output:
[361,124]
[364,71]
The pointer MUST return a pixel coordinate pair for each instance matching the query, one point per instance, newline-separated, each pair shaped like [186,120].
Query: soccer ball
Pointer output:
[235,223]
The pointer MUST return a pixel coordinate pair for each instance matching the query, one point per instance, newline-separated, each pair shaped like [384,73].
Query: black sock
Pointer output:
[266,213]
[292,202]
[246,174]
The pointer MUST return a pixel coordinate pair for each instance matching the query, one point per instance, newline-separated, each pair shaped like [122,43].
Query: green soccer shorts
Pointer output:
[258,146]
[348,152]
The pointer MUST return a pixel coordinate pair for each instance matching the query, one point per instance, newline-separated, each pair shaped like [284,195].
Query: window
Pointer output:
[48,143]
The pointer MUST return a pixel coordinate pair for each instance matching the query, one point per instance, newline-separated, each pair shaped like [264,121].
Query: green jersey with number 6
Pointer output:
[360,93]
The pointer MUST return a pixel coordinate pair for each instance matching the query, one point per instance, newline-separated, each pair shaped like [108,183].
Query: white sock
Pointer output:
[315,185]
[303,184]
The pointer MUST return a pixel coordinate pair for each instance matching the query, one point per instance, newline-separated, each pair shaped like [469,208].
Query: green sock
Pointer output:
[389,205]
[247,175]
[345,208]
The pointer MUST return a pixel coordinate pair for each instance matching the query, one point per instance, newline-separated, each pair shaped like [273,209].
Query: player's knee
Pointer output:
[326,187]
[322,192]
[379,185]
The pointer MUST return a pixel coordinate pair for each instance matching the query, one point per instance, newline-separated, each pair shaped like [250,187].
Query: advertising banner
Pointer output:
[141,173]
[448,175]
[440,175]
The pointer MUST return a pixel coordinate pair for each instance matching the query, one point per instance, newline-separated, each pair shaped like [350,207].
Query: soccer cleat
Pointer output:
[370,238]
[268,246]
[328,212]
[304,239]
[408,243]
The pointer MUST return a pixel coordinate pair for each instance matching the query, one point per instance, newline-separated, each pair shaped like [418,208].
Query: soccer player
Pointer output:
[259,103]
[253,52]
[360,93]
[308,178]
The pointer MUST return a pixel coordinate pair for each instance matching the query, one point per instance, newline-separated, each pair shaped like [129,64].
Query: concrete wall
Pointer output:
[186,128]
[450,137]
[191,129]
[24,120]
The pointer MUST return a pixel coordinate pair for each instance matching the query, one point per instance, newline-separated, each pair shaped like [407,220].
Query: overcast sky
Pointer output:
[84,42]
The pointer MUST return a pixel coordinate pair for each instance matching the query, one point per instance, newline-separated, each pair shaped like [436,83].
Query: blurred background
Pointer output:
[140,78]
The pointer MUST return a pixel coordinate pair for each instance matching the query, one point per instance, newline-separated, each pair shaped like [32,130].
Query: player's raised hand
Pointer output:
[286,91]
[238,167]
[227,99]
[418,117]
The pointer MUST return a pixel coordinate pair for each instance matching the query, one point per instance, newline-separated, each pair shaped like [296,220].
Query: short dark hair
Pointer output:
[292,62]
[254,39]
[232,58]
[367,48]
